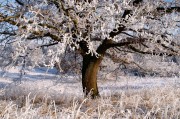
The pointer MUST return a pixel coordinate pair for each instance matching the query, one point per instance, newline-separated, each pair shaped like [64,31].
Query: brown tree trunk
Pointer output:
[90,69]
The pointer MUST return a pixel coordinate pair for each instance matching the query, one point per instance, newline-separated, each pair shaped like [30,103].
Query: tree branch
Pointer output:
[108,43]
[121,27]
[20,2]
[9,20]
[47,45]
[152,53]
[8,33]
[136,2]
[169,9]
[124,61]
[127,41]
[115,32]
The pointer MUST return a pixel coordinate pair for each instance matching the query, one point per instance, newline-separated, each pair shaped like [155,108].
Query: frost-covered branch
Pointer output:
[94,26]
[169,9]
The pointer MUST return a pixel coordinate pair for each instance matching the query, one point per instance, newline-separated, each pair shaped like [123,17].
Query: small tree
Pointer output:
[91,27]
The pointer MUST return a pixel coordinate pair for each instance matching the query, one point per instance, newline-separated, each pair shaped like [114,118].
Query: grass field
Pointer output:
[45,96]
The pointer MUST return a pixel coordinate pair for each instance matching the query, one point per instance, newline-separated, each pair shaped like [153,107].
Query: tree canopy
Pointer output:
[91,27]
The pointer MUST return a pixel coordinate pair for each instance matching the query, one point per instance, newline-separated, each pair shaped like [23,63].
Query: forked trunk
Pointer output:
[89,75]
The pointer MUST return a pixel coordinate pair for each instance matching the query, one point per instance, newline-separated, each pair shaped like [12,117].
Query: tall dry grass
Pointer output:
[155,103]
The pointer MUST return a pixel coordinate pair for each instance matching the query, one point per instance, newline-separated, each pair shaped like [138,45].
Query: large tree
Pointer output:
[91,27]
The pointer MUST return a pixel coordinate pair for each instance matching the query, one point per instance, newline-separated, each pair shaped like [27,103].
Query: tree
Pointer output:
[91,28]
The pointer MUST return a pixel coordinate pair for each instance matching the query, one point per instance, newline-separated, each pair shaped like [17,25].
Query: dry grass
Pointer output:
[156,103]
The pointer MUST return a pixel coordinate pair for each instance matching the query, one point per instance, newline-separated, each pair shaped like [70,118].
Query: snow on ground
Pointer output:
[43,80]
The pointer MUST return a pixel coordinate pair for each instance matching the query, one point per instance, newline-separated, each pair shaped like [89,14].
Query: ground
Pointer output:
[44,94]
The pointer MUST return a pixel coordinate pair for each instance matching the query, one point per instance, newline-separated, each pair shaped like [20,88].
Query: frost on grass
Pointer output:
[127,97]
[146,103]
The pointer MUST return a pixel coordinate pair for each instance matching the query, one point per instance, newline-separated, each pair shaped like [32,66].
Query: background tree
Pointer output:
[92,28]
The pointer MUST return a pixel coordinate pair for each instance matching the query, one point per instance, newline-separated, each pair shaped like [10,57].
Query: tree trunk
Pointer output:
[90,69]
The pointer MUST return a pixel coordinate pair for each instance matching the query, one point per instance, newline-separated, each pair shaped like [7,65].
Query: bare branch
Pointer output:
[8,33]
[47,45]
[152,53]
[169,9]
[20,2]
[136,2]
[128,41]
[8,19]
[116,32]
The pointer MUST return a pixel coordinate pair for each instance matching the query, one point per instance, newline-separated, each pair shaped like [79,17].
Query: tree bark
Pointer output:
[90,69]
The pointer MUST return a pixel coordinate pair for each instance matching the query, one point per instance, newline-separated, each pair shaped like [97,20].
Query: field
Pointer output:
[44,95]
